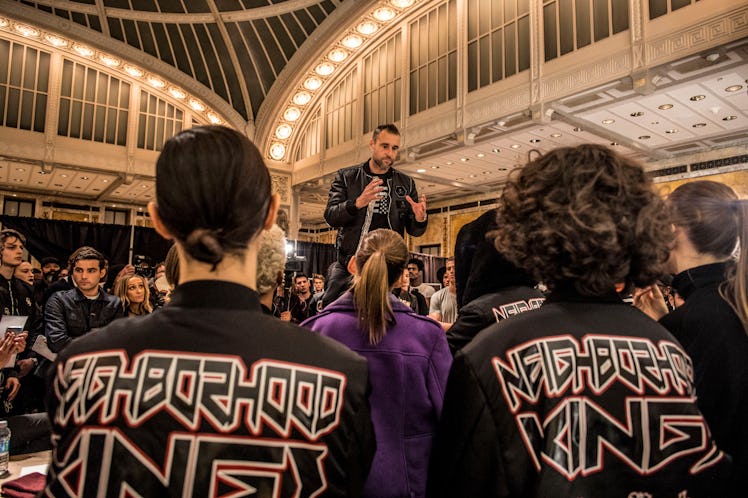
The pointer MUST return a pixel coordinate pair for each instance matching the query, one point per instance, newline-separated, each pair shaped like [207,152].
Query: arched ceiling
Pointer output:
[236,49]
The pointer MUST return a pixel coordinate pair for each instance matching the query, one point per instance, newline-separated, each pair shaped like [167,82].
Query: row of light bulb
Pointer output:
[313,82]
[112,62]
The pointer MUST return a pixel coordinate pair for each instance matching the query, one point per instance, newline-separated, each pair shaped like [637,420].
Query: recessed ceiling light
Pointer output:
[40,183]
[421,170]
[496,150]
[352,41]
[644,137]
[671,131]
[434,167]
[277,151]
[729,118]
[698,125]
[402,4]
[96,189]
[22,170]
[27,31]
[464,159]
[502,169]
[712,57]
[577,129]
[516,146]
[64,175]
[144,186]
[665,107]
[459,179]
[534,140]
[134,71]
[367,28]
[283,131]
[696,98]
[654,122]
[636,114]
[312,83]
[472,176]
[480,154]
[177,93]
[84,178]
[83,50]
[613,144]
[291,114]
[608,121]
[58,184]
[337,55]
[555,135]
[109,60]
[449,163]
[77,187]
[56,40]
[197,105]
[431,185]
[384,14]
[325,69]
[733,88]
[104,181]
[302,98]
[486,172]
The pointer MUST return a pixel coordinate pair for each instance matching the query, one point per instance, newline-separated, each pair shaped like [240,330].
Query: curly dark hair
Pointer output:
[587,217]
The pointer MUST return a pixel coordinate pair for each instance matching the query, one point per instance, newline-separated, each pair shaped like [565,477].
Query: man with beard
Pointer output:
[369,196]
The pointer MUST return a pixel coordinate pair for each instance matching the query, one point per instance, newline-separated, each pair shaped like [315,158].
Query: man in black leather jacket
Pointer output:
[368,196]
[74,312]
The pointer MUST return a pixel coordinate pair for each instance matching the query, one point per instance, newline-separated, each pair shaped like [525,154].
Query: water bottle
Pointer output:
[4,448]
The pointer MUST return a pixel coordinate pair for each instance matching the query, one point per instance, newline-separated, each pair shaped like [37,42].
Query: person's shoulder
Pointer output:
[349,170]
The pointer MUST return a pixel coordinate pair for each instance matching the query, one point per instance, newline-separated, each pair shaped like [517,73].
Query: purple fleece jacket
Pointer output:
[408,373]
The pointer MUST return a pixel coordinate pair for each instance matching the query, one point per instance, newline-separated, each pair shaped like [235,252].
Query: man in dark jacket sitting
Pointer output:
[74,312]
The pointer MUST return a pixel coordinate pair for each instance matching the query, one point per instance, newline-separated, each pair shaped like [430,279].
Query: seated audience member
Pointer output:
[25,272]
[443,306]
[492,288]
[134,294]
[239,402]
[415,300]
[30,431]
[416,272]
[712,324]
[74,312]
[17,299]
[271,260]
[585,396]
[171,274]
[297,309]
[50,269]
[318,284]
[408,363]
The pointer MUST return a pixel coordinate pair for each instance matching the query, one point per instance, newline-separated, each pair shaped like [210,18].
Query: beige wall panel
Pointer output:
[738,180]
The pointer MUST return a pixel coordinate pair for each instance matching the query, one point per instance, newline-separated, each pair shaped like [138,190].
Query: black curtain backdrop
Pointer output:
[59,238]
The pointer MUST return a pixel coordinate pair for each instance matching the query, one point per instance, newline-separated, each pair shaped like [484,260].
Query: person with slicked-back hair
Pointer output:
[712,324]
[408,363]
[586,395]
[221,396]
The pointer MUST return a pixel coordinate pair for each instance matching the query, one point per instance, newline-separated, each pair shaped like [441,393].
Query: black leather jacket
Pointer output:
[227,400]
[341,211]
[70,314]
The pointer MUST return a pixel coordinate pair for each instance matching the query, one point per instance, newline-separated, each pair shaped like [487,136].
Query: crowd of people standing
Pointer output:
[528,373]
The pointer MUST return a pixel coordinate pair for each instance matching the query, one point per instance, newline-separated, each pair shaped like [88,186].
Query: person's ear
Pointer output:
[158,224]
[352,269]
[272,211]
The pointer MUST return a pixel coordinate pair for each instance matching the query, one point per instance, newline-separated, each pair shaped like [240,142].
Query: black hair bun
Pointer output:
[203,245]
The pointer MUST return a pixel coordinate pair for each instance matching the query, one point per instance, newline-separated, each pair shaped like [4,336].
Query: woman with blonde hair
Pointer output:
[409,360]
[135,295]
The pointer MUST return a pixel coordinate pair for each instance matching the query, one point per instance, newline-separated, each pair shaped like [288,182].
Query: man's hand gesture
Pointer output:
[419,208]
[372,192]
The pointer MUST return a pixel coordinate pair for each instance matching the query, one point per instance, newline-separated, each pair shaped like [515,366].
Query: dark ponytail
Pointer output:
[212,191]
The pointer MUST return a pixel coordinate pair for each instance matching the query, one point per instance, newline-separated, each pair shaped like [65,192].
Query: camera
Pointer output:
[142,266]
